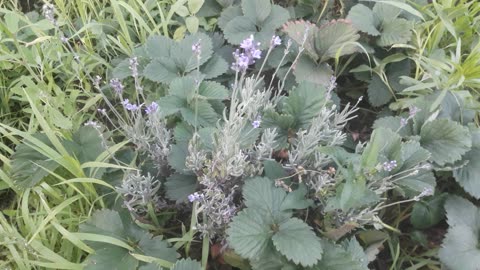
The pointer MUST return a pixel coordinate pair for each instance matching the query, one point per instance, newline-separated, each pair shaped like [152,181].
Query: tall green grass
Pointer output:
[38,230]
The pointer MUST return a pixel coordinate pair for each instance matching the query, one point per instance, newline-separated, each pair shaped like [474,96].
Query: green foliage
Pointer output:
[385,146]
[187,264]
[193,100]
[450,143]
[467,176]
[460,248]
[297,110]
[114,237]
[163,60]
[383,22]
[446,140]
[327,41]
[30,163]
[349,255]
[383,85]
[253,17]
[267,220]
[179,186]
[429,212]
[315,178]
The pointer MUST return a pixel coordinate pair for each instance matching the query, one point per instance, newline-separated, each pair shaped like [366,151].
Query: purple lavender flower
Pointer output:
[332,84]
[93,124]
[133,66]
[63,39]
[197,48]
[117,85]
[248,55]
[389,165]
[275,41]
[241,61]
[152,108]
[49,13]
[97,81]
[194,197]
[247,43]
[256,54]
[129,106]
[257,122]
[427,191]
[413,110]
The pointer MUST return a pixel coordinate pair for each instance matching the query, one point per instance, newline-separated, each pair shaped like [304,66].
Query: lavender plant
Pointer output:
[213,150]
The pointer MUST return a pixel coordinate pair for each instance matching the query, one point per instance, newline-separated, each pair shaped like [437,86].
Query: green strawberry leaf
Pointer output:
[337,37]
[364,19]
[460,248]
[296,241]
[446,140]
[179,186]
[427,213]
[111,258]
[187,264]
[256,10]
[249,233]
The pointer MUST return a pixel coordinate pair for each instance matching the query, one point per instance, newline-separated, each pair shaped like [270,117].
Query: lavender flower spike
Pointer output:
[129,106]
[49,13]
[275,41]
[257,122]
[152,108]
[389,165]
[413,110]
[133,66]
[195,197]
[117,85]
[197,48]
[247,57]
[247,43]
